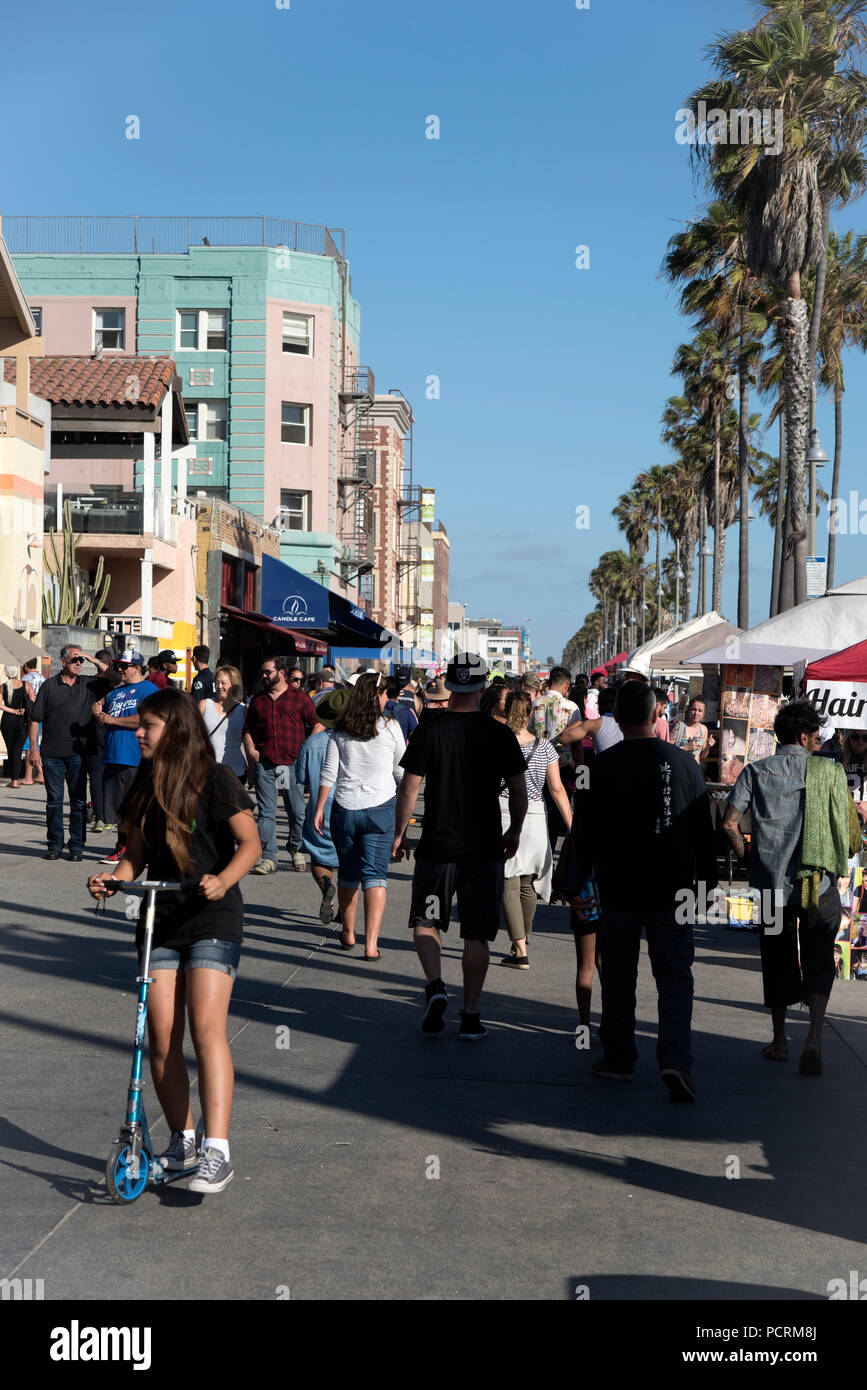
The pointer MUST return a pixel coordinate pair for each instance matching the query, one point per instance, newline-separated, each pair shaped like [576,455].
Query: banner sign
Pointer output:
[844,702]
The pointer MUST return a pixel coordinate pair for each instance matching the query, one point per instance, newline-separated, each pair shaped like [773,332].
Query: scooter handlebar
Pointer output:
[160,885]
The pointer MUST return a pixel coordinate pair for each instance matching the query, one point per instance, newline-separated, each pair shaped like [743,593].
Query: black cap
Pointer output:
[466,673]
[403,673]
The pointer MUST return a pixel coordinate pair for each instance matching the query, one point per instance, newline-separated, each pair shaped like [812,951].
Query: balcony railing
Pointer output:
[121,514]
[358,384]
[22,425]
[125,235]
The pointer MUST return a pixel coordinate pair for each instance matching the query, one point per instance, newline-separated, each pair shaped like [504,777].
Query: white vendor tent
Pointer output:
[648,657]
[814,628]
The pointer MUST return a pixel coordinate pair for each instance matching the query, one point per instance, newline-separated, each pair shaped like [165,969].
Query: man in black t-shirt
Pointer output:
[202,687]
[644,825]
[463,756]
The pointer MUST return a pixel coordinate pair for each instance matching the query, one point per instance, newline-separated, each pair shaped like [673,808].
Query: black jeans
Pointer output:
[97,797]
[671,950]
[14,730]
[787,980]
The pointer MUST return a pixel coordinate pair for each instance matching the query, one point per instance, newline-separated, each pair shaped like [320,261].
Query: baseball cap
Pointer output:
[466,673]
[130,658]
[532,681]
[403,673]
[166,656]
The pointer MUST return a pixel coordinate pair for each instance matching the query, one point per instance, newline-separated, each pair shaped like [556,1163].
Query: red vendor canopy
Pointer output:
[837,686]
[848,665]
[619,660]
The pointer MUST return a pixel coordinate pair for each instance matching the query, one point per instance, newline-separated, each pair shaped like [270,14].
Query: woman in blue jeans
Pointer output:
[363,766]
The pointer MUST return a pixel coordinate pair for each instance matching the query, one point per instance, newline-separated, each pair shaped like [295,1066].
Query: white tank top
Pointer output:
[226,736]
[610,733]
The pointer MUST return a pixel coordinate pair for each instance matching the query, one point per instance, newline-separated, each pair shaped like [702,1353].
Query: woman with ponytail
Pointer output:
[187,817]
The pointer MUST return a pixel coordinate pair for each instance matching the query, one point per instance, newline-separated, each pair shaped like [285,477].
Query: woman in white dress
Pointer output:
[528,873]
[224,720]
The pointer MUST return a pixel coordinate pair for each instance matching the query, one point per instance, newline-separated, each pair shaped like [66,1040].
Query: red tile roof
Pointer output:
[131,382]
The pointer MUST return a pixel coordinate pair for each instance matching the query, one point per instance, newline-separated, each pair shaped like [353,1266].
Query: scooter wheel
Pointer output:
[122,1186]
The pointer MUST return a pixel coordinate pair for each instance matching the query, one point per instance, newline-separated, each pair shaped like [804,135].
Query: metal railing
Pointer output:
[121,514]
[359,382]
[127,234]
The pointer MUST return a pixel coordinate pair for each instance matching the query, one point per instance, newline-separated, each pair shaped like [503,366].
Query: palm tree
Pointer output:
[791,61]
[709,261]
[844,324]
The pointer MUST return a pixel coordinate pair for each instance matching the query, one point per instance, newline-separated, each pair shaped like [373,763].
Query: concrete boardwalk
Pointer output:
[548,1178]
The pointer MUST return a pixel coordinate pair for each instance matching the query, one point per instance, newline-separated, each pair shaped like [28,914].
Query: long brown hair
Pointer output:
[174,778]
[518,708]
[362,714]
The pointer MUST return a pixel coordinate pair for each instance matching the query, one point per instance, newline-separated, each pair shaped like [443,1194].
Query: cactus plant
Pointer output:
[79,603]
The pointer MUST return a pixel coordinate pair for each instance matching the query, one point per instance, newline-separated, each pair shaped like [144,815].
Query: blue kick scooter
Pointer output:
[131,1163]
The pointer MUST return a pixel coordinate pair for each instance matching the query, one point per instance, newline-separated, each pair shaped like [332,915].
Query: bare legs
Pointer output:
[588,960]
[206,993]
[374,907]
[428,944]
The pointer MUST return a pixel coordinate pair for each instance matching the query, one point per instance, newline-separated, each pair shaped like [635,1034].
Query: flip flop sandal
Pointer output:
[378,956]
[773,1053]
[346,945]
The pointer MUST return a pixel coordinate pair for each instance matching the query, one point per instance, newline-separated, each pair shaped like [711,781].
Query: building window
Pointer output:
[249,589]
[294,511]
[206,419]
[229,581]
[298,334]
[295,424]
[202,330]
[37,319]
[108,329]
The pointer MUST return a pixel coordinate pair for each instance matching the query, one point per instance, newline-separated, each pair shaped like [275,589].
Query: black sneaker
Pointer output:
[516,962]
[609,1071]
[679,1082]
[471,1027]
[437,1003]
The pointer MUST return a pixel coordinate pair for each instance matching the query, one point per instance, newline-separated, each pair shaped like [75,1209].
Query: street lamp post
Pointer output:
[816,458]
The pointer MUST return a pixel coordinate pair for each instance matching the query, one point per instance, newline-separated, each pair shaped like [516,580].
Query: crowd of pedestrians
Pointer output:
[582,792]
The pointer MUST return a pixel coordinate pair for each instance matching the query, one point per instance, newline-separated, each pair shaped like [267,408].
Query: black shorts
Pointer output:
[479,888]
[580,928]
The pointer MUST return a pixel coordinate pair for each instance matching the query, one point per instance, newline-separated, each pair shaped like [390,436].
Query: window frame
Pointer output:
[201,330]
[201,408]
[109,309]
[307,425]
[309,320]
[303,512]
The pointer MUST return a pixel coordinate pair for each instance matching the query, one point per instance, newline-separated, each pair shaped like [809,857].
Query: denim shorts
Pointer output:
[363,841]
[208,954]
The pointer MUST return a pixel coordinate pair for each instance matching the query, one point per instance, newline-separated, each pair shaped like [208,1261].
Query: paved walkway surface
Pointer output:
[548,1179]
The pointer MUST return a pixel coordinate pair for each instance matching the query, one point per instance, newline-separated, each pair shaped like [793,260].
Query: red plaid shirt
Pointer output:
[279,727]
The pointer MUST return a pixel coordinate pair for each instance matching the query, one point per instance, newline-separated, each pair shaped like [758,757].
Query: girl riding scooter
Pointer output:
[188,817]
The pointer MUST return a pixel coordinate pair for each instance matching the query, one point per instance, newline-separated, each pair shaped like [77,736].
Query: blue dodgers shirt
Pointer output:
[121,745]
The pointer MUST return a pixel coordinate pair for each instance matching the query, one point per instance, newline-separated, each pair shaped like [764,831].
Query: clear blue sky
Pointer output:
[557,129]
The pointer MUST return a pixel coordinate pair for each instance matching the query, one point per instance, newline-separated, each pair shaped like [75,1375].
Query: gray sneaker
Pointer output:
[215,1172]
[181,1153]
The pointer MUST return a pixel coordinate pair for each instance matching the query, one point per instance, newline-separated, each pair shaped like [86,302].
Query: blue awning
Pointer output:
[292,600]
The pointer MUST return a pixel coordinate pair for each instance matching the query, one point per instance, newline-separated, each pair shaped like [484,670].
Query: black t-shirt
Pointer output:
[644,822]
[64,711]
[182,918]
[463,758]
[202,687]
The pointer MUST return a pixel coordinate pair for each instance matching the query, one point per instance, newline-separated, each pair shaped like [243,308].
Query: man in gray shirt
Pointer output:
[774,791]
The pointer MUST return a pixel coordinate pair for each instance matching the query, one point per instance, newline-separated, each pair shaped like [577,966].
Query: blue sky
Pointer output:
[556,130]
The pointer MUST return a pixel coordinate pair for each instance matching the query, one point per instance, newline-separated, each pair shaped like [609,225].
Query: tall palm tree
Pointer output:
[844,324]
[708,260]
[799,59]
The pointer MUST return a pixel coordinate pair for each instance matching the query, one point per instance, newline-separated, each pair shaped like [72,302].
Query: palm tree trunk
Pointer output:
[780,518]
[701,604]
[835,482]
[799,376]
[744,478]
[717,567]
[717,598]
[819,302]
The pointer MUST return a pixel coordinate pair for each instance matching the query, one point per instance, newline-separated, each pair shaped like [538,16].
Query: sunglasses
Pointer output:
[295,680]
[75,660]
